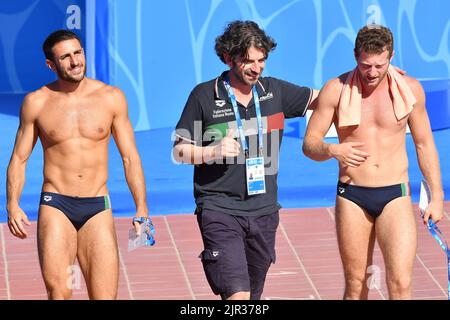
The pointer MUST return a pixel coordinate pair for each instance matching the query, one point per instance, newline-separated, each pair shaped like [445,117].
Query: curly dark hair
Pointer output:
[374,38]
[56,37]
[239,36]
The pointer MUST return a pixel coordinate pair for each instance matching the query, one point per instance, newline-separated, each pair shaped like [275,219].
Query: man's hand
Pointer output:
[228,147]
[401,71]
[435,211]
[348,153]
[16,219]
[137,225]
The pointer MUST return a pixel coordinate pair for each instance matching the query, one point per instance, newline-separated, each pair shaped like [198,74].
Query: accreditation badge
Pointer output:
[256,182]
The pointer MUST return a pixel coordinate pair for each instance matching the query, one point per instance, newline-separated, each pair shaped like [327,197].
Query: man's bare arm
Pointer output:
[185,152]
[427,154]
[26,138]
[124,137]
[320,122]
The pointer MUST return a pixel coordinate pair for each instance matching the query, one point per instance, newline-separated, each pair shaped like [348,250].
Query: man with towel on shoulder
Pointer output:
[370,107]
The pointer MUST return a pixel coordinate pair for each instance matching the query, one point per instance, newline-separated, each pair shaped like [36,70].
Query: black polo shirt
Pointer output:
[208,114]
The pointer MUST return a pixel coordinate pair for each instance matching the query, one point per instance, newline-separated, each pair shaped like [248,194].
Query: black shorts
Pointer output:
[238,251]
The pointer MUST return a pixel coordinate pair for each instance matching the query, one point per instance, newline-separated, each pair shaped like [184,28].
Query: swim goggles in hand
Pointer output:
[147,228]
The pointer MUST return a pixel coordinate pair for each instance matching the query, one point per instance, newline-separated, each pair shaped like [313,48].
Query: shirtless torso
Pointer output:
[384,140]
[75,132]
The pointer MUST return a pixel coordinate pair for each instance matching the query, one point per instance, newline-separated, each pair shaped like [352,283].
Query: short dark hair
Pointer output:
[239,36]
[54,38]
[374,38]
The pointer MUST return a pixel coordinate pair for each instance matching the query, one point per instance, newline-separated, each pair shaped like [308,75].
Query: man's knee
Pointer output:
[355,284]
[58,291]
[356,280]
[59,284]
[399,286]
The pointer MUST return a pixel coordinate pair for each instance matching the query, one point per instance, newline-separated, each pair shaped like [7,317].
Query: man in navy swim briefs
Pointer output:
[371,107]
[74,118]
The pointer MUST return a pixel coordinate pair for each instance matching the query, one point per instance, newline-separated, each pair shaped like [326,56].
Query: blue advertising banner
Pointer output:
[24,25]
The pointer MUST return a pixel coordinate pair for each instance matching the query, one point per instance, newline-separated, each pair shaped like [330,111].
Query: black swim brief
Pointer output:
[372,199]
[78,209]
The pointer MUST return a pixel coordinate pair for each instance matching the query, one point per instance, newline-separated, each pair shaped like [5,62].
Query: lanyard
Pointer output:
[238,116]
[436,233]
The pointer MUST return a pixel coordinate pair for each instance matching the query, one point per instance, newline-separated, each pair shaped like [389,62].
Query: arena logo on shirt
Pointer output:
[220,103]
[268,96]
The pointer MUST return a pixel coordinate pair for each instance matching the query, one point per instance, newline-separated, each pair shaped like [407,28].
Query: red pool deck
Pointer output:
[308,264]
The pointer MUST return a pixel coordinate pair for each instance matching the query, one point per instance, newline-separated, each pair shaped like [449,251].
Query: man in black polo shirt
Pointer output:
[231,130]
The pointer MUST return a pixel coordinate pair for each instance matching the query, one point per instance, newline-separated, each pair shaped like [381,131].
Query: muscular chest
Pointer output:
[377,113]
[378,123]
[62,121]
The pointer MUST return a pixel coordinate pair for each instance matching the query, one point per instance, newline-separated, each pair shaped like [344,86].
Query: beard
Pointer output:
[63,75]
[251,79]
[242,77]
[245,77]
